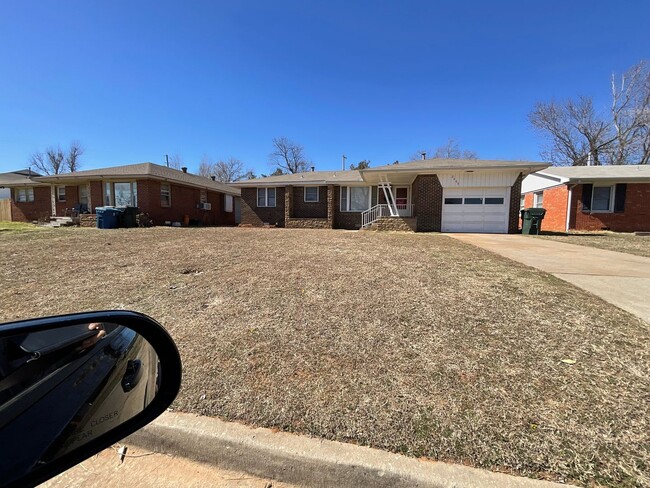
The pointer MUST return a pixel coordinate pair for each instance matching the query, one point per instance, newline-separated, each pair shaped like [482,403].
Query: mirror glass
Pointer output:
[61,388]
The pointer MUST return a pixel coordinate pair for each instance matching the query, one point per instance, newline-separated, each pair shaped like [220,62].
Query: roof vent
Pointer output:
[213,178]
[184,169]
[424,155]
[313,168]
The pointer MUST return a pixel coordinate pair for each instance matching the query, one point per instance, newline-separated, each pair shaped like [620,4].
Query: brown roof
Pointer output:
[306,178]
[614,172]
[19,178]
[145,170]
[439,164]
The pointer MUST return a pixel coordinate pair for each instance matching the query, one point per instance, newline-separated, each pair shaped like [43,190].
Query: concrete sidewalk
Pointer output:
[621,279]
[307,461]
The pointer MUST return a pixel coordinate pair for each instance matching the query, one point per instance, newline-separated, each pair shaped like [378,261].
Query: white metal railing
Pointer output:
[383,210]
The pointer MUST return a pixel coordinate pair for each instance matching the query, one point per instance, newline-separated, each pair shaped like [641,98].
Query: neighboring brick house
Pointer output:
[167,195]
[591,198]
[28,199]
[449,195]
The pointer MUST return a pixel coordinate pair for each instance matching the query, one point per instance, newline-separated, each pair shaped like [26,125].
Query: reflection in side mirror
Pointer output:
[73,385]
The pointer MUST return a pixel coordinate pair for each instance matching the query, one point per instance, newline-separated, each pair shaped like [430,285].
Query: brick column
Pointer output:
[330,205]
[288,204]
[515,196]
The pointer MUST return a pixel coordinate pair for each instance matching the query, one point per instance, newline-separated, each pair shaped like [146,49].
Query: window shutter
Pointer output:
[586,197]
[619,197]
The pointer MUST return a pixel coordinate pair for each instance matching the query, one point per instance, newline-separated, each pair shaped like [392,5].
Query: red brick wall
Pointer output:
[71,199]
[184,201]
[39,209]
[636,216]
[555,203]
[251,214]
[302,209]
[96,195]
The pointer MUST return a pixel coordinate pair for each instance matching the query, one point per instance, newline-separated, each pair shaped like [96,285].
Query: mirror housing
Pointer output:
[168,381]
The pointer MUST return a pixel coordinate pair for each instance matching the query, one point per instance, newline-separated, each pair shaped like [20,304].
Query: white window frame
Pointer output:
[536,202]
[111,192]
[317,194]
[347,190]
[612,190]
[266,190]
[522,202]
[58,193]
[165,194]
[27,191]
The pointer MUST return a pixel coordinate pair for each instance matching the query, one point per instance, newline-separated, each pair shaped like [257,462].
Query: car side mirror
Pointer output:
[73,385]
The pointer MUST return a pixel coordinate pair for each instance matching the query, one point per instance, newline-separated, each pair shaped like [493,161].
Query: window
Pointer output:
[203,197]
[125,194]
[522,202]
[601,199]
[228,204]
[60,193]
[121,194]
[25,195]
[538,200]
[453,201]
[355,198]
[494,200]
[165,195]
[311,194]
[266,197]
[83,196]
[473,201]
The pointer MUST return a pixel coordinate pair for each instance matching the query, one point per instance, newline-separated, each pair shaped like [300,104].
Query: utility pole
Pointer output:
[343,158]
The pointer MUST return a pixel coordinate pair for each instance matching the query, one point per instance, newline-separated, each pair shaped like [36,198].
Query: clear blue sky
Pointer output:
[133,80]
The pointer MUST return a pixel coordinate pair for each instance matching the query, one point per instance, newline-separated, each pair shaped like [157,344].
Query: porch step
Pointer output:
[61,221]
[403,224]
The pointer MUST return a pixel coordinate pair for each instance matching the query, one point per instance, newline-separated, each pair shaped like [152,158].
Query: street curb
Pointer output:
[308,461]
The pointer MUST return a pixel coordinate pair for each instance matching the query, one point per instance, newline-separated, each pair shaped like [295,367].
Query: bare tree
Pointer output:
[575,132]
[175,161]
[631,116]
[55,161]
[288,156]
[72,158]
[230,170]
[206,166]
[450,150]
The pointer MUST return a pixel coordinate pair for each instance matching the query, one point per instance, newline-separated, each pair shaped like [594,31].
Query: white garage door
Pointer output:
[475,209]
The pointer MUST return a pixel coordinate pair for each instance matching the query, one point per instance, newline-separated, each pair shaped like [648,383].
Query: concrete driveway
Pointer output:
[621,279]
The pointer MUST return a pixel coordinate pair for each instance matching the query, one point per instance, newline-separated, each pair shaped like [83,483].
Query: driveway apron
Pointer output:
[621,279]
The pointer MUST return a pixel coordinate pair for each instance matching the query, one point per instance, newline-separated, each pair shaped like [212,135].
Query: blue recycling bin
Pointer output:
[107,217]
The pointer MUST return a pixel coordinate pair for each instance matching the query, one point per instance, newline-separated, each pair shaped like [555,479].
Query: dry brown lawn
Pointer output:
[612,241]
[413,343]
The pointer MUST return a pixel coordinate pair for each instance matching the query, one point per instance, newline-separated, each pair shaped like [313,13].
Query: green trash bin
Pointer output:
[531,220]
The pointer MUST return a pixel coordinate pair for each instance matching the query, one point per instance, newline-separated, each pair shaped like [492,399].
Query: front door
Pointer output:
[402,200]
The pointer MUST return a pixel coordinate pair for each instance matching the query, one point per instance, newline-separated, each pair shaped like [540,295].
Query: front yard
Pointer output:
[612,241]
[413,343]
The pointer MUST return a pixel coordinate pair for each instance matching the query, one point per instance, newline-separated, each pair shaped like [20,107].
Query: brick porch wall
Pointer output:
[71,199]
[427,201]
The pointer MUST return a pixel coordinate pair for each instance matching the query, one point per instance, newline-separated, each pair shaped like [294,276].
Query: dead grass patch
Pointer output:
[413,343]
[612,241]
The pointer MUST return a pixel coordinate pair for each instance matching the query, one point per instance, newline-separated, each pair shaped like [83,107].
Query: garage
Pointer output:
[475,209]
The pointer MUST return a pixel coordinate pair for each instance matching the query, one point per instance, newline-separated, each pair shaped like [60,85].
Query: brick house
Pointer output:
[591,198]
[166,194]
[449,195]
[28,199]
